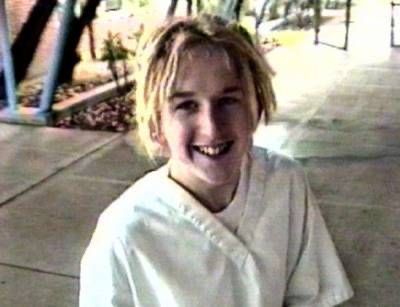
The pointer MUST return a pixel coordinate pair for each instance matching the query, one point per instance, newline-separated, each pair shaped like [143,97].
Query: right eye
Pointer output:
[187,106]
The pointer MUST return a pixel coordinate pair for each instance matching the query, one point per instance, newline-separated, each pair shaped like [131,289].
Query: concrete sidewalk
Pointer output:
[339,115]
[343,122]
[54,183]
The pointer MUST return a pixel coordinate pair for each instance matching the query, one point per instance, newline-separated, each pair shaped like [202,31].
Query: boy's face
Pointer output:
[205,125]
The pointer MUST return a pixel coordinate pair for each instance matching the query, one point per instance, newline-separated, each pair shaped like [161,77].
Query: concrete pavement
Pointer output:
[54,184]
[339,115]
[343,123]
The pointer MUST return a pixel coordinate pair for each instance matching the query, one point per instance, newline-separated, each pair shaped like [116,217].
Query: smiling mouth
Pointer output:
[215,150]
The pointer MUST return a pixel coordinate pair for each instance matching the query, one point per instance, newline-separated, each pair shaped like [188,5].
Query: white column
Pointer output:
[56,57]
[8,64]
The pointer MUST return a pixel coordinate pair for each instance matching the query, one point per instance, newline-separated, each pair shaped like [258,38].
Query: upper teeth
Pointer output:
[212,150]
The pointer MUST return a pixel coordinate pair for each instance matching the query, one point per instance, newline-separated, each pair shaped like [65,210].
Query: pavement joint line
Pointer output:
[296,131]
[349,158]
[43,150]
[102,179]
[25,268]
[60,168]
[323,203]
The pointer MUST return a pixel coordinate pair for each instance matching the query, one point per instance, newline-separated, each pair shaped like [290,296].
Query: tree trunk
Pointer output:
[70,56]
[189,8]
[92,43]
[199,5]
[28,39]
[238,8]
[260,17]
[289,6]
[273,9]
[172,8]
[227,9]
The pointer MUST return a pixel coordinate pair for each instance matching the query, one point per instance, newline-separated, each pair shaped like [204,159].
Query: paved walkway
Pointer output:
[339,115]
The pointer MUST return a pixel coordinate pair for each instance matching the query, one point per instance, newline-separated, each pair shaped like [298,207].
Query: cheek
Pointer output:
[183,139]
[177,138]
[242,121]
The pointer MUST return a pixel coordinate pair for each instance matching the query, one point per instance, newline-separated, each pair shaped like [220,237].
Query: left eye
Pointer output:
[187,105]
[226,101]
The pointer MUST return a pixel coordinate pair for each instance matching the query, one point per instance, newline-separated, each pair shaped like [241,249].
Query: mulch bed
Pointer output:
[30,94]
[114,114]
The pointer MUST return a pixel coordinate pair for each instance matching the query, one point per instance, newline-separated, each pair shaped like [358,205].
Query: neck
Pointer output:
[217,199]
[214,198]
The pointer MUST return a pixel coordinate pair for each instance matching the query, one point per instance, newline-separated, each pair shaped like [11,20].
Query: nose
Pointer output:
[210,122]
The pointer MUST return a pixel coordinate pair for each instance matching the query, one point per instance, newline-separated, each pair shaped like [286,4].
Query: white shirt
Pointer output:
[158,246]
[233,213]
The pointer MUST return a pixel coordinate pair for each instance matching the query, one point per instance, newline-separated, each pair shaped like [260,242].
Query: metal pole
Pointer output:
[317,20]
[391,24]
[7,58]
[393,5]
[52,76]
[348,16]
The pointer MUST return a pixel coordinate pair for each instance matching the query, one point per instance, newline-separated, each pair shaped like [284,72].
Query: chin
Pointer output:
[219,179]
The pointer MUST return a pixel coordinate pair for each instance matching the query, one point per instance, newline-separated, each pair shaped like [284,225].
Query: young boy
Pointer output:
[222,223]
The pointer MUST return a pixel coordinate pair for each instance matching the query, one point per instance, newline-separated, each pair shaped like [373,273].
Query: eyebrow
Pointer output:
[182,94]
[185,94]
[231,89]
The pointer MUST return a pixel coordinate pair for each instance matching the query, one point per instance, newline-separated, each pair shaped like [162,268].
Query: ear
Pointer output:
[156,130]
[162,145]
[159,140]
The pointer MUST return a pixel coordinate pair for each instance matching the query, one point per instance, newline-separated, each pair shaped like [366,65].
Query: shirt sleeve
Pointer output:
[103,279]
[318,277]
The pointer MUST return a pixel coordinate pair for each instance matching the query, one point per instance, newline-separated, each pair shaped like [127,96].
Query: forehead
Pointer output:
[204,67]
[206,52]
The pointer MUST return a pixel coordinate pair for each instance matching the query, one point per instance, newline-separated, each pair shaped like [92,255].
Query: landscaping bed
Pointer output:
[113,114]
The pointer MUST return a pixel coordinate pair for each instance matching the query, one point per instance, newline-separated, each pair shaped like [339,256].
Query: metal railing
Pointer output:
[42,114]
[393,5]
[317,25]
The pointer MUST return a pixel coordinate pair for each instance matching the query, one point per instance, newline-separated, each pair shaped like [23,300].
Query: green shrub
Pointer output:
[113,48]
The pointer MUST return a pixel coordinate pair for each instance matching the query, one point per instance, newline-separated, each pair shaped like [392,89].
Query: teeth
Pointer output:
[212,150]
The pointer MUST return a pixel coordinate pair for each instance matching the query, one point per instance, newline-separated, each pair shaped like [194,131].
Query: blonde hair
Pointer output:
[160,51]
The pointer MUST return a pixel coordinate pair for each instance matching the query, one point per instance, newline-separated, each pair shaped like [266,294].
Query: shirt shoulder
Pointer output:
[133,206]
[276,164]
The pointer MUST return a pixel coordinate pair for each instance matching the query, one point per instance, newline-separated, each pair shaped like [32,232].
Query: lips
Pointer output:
[214,150]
